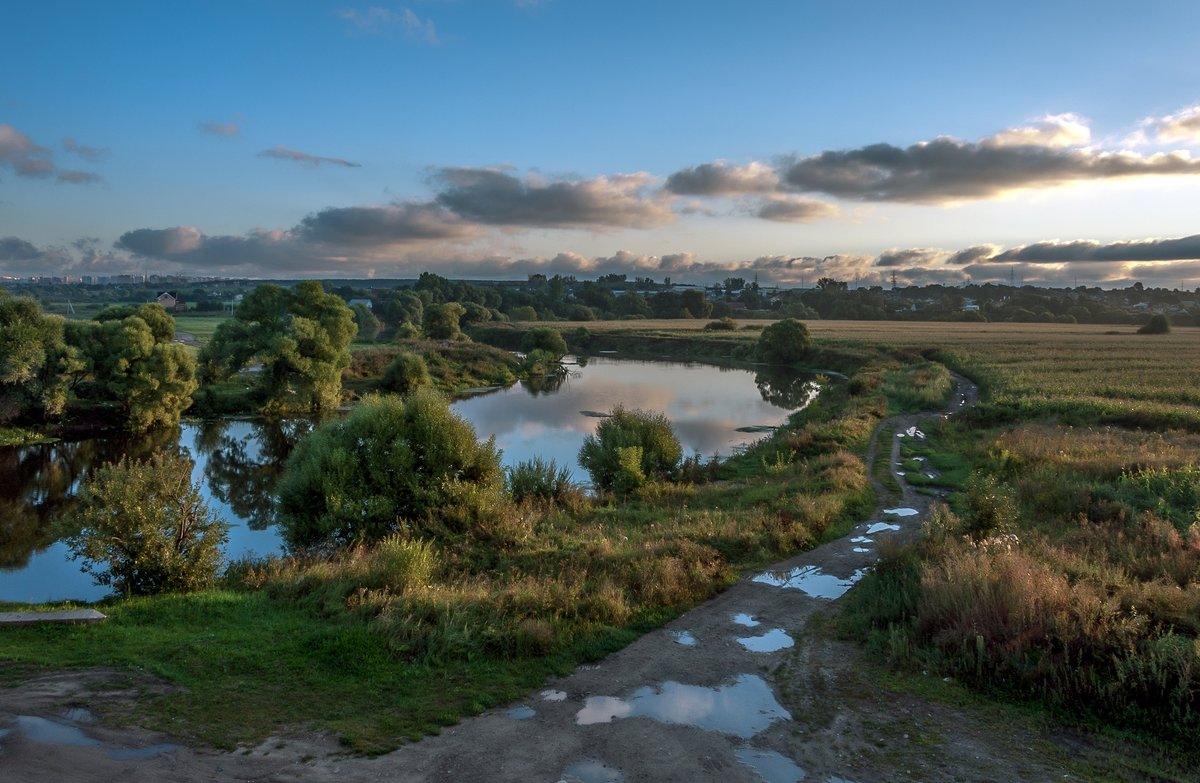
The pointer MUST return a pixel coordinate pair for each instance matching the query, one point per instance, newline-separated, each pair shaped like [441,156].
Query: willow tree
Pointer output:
[300,335]
[131,364]
[34,360]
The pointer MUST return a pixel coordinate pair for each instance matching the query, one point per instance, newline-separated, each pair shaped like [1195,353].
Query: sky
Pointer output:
[936,142]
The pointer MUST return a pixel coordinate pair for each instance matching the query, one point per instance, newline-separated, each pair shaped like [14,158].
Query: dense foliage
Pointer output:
[142,527]
[300,335]
[392,466]
[130,363]
[784,342]
[34,360]
[629,448]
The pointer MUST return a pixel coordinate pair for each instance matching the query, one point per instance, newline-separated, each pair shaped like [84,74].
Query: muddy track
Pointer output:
[737,689]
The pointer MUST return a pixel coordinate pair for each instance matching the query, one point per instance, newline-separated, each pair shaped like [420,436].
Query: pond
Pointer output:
[237,460]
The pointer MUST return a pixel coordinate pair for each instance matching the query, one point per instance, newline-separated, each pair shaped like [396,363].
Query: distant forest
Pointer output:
[615,297]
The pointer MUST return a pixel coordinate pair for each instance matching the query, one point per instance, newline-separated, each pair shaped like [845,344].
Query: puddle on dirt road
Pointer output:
[79,715]
[685,638]
[811,581]
[863,540]
[51,732]
[901,512]
[772,641]
[772,767]
[521,713]
[861,549]
[746,620]
[879,527]
[554,695]
[591,772]
[742,708]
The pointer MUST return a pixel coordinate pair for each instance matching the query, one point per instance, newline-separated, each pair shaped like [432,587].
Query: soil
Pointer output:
[685,703]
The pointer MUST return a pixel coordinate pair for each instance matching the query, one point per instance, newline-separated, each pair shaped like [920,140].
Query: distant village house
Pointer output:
[171,302]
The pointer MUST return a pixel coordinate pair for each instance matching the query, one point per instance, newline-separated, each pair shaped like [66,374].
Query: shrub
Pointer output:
[629,447]
[544,338]
[143,527]
[725,324]
[405,374]
[991,507]
[393,465]
[1158,324]
[783,342]
[538,479]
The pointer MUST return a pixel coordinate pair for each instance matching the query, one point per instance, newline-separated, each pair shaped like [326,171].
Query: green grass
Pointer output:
[202,326]
[251,667]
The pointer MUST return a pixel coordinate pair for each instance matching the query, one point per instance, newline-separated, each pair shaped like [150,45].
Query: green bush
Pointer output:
[991,507]
[783,342]
[1158,324]
[392,466]
[725,324]
[537,479]
[629,448]
[544,338]
[143,528]
[405,374]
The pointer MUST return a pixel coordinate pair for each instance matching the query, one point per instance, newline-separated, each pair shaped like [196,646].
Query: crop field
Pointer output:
[201,327]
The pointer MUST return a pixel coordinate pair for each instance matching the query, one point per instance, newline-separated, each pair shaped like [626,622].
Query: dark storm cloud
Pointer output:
[1181,249]
[946,170]
[384,225]
[723,179]
[296,156]
[498,198]
[795,210]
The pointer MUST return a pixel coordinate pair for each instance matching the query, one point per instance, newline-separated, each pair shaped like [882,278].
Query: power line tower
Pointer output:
[893,279]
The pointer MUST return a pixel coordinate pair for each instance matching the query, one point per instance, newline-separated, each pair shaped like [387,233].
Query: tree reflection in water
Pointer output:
[244,460]
[40,483]
[786,388]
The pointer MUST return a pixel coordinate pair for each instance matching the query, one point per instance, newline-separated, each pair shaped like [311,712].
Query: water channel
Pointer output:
[237,460]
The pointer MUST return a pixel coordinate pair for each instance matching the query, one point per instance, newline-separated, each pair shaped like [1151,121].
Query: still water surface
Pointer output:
[237,461]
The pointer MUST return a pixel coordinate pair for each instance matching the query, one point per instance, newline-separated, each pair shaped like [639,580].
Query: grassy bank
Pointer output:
[1066,570]
[395,640]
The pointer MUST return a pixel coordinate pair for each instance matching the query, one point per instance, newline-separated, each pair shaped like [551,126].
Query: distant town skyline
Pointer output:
[1056,143]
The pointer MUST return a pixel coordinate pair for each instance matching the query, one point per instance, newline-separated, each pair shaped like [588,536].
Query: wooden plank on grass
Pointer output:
[60,616]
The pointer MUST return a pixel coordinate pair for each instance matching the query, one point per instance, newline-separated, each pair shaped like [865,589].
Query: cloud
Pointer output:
[383,21]
[162,243]
[723,179]
[1183,126]
[917,256]
[496,197]
[75,177]
[946,170]
[18,152]
[1053,130]
[385,225]
[287,153]
[227,129]
[795,209]
[1054,252]
[24,259]
[27,159]
[87,153]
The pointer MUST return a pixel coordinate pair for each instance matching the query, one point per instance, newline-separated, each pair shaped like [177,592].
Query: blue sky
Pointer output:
[946,142]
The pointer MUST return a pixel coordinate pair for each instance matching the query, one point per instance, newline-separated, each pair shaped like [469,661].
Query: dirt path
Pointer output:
[692,701]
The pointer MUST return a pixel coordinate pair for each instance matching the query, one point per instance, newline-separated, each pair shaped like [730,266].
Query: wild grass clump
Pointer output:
[923,387]
[540,480]
[629,448]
